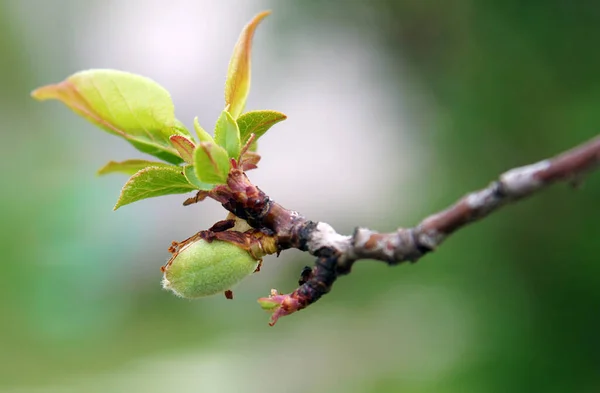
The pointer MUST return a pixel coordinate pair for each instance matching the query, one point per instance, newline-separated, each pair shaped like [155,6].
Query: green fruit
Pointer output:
[202,269]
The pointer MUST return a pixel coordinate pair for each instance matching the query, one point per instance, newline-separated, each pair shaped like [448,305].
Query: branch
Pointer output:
[337,253]
[412,243]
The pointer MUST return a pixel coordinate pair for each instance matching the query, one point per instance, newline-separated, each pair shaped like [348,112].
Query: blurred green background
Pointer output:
[396,109]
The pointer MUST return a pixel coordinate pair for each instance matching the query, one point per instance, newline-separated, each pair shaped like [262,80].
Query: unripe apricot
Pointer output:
[203,268]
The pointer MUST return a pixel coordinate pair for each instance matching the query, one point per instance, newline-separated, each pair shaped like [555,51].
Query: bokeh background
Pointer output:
[396,109]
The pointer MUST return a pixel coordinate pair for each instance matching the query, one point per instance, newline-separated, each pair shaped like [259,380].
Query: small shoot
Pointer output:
[184,147]
[129,167]
[237,85]
[190,174]
[203,136]
[123,104]
[227,135]
[211,163]
[153,182]
[258,123]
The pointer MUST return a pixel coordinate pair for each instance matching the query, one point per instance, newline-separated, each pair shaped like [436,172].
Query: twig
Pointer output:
[337,253]
[412,243]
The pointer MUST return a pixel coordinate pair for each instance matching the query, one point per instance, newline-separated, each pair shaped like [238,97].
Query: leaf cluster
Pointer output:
[141,111]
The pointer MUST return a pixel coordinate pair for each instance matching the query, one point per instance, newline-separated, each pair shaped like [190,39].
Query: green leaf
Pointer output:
[129,167]
[184,146]
[123,104]
[153,182]
[268,304]
[237,84]
[211,163]
[190,175]
[227,135]
[203,136]
[257,123]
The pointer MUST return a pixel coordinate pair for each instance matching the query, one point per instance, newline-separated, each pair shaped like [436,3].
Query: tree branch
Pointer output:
[337,253]
[513,185]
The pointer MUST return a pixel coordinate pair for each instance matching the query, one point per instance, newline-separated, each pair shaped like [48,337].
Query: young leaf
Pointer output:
[184,146]
[181,129]
[250,160]
[190,175]
[129,167]
[227,134]
[257,123]
[237,84]
[152,182]
[203,136]
[211,163]
[128,105]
